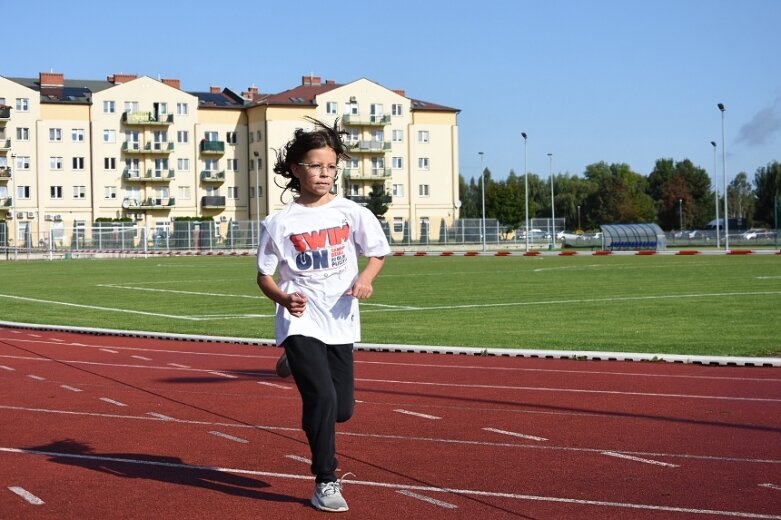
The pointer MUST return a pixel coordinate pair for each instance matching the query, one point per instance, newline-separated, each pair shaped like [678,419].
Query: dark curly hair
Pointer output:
[323,136]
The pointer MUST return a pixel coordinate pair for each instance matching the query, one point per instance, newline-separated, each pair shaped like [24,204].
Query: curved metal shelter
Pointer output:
[633,237]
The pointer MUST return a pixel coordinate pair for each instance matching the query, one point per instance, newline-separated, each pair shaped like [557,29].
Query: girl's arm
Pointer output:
[362,288]
[295,303]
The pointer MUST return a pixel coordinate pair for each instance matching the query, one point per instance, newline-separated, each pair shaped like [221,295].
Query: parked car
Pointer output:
[754,233]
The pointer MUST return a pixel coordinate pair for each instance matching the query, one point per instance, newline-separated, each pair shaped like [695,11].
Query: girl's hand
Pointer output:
[362,289]
[295,304]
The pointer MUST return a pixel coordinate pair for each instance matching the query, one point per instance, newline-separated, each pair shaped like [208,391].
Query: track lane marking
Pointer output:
[428,500]
[229,437]
[416,414]
[71,388]
[26,495]
[768,485]
[398,486]
[111,401]
[514,434]
[37,378]
[9,369]
[639,459]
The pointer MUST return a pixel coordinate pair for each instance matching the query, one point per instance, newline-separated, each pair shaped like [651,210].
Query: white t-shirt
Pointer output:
[316,251]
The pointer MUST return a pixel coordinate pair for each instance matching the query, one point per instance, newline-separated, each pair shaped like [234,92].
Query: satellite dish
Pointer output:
[458,204]
[125,204]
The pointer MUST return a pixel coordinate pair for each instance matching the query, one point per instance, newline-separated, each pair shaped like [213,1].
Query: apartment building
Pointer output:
[74,151]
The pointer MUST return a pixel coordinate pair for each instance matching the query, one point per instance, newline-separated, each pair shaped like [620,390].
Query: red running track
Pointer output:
[121,427]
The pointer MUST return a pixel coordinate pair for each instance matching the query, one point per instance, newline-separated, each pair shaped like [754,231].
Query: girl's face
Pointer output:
[316,172]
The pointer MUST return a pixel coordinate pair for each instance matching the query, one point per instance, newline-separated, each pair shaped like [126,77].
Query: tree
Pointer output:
[767,181]
[377,201]
[742,202]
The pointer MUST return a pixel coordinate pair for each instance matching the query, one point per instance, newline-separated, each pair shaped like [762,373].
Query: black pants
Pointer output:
[325,380]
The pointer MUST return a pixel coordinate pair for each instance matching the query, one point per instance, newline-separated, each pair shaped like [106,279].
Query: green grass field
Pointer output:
[714,305]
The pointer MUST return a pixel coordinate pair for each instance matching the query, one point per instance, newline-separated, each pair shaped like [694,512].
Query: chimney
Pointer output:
[175,83]
[251,93]
[400,92]
[310,81]
[51,79]
[214,90]
[121,78]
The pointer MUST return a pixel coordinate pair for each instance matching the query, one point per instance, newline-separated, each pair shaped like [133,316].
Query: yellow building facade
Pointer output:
[130,147]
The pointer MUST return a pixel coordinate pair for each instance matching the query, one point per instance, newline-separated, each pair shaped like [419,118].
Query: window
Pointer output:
[233,165]
[423,190]
[397,163]
[423,163]
[161,167]
[396,109]
[131,106]
[55,135]
[109,192]
[251,137]
[132,167]
[182,137]
[22,162]
[331,107]
[398,224]
[231,138]
[23,192]
[77,135]
[182,109]
[398,136]
[109,107]
[109,163]
[55,163]
[183,165]
[22,104]
[23,134]
[259,135]
[133,194]
[423,136]
[184,193]
[78,163]
[377,136]
[355,190]
[210,136]
[109,136]
[79,192]
[398,190]
[162,108]
[55,192]
[233,192]
[211,165]
[351,108]
[378,166]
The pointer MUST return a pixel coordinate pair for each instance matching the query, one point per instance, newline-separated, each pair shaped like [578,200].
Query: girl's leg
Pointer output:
[324,378]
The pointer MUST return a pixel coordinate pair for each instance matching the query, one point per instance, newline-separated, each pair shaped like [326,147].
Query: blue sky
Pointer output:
[588,81]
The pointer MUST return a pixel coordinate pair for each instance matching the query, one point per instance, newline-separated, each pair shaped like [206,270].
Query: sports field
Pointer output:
[698,305]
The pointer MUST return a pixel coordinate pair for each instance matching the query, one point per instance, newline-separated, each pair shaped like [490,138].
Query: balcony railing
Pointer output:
[369,147]
[132,205]
[372,175]
[159,147]
[5,173]
[146,119]
[212,147]
[371,120]
[7,202]
[364,199]
[5,145]
[212,202]
[212,176]
[132,147]
[5,113]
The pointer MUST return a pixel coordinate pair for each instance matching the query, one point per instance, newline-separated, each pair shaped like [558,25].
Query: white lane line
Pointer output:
[514,434]
[229,437]
[771,486]
[34,335]
[111,401]
[37,378]
[416,414]
[177,365]
[3,367]
[109,351]
[274,385]
[429,500]
[161,416]
[403,438]
[638,459]
[299,459]
[222,374]
[71,388]
[29,497]
[397,486]
[142,358]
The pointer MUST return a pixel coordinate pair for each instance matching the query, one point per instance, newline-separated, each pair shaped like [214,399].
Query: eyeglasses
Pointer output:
[318,168]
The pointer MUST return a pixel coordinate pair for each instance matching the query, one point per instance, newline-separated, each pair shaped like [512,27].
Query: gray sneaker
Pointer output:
[283,369]
[328,497]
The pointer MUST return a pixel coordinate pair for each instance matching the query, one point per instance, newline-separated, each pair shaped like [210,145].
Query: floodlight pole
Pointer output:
[13,207]
[552,205]
[526,189]
[724,167]
[482,189]
[716,194]
[257,195]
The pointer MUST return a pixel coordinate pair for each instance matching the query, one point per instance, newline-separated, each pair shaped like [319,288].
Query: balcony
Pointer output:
[146,119]
[5,173]
[160,175]
[364,199]
[212,147]
[7,202]
[213,202]
[132,147]
[375,174]
[5,113]
[5,146]
[158,148]
[150,203]
[210,177]
[369,147]
[372,120]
